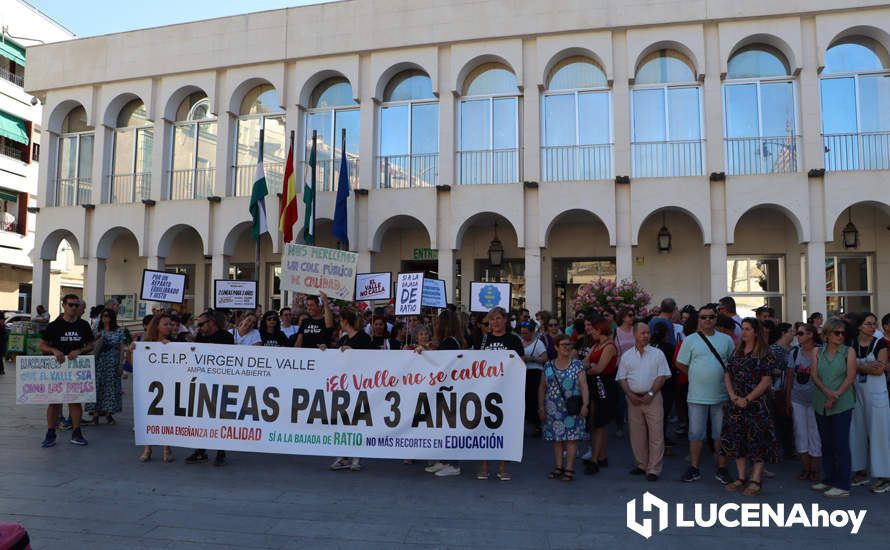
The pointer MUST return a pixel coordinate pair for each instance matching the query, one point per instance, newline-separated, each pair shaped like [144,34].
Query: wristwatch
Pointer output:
[650,394]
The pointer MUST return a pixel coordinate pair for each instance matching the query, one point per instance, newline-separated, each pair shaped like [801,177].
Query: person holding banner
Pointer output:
[246,334]
[271,333]
[317,330]
[353,338]
[287,326]
[562,388]
[449,337]
[499,339]
[160,329]
[66,338]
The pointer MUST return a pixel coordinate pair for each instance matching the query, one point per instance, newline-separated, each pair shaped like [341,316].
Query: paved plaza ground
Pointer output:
[100,496]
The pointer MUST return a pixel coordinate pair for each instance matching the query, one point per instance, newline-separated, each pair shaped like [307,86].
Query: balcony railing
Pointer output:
[130,187]
[488,166]
[192,184]
[12,152]
[576,162]
[73,191]
[402,171]
[667,159]
[17,79]
[766,155]
[245,174]
[327,172]
[860,151]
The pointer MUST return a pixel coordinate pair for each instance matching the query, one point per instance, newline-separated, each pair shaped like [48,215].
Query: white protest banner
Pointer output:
[160,286]
[461,405]
[409,291]
[486,296]
[41,380]
[228,294]
[373,286]
[312,269]
[434,293]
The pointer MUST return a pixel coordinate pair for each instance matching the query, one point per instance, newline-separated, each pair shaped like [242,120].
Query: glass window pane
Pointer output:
[260,100]
[248,140]
[123,151]
[321,123]
[67,158]
[737,275]
[394,130]
[133,114]
[830,275]
[491,78]
[853,57]
[409,85]
[683,114]
[852,274]
[349,120]
[504,123]
[184,147]
[576,72]
[648,106]
[741,110]
[559,120]
[664,66]
[425,128]
[474,125]
[757,62]
[206,145]
[766,275]
[777,109]
[274,146]
[332,93]
[145,141]
[85,157]
[593,118]
[874,103]
[838,106]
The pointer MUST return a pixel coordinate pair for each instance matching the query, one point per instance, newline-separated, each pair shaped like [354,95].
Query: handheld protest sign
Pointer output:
[161,286]
[313,269]
[373,286]
[434,294]
[409,293]
[486,296]
[229,294]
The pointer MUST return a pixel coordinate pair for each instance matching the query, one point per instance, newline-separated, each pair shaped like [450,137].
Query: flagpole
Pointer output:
[256,261]
[342,156]
[314,189]
[285,294]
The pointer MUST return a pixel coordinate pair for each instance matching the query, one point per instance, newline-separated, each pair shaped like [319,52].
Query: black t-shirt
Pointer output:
[218,337]
[67,337]
[862,351]
[315,333]
[507,341]
[361,340]
[449,343]
[275,339]
[882,344]
[583,347]
[377,342]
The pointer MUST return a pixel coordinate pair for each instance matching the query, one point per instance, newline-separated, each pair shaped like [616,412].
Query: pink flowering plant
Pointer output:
[607,296]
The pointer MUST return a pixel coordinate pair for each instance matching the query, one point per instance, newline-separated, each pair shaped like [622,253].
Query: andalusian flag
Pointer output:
[287,211]
[258,199]
[309,199]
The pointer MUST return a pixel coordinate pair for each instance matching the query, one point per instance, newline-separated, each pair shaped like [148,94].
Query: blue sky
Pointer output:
[93,17]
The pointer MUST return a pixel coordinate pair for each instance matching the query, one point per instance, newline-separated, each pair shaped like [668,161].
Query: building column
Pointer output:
[533,294]
[817,299]
[198,285]
[718,270]
[156,263]
[159,178]
[620,106]
[623,237]
[225,131]
[366,162]
[219,268]
[446,271]
[40,282]
[94,282]
[103,146]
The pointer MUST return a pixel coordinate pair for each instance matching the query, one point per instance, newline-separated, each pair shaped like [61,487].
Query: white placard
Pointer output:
[486,296]
[373,286]
[313,269]
[41,380]
[409,292]
[434,294]
[160,286]
[359,403]
[228,294]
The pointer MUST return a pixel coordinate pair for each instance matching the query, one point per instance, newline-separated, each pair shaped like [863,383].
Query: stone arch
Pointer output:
[401,220]
[732,224]
[322,232]
[879,35]
[169,237]
[834,220]
[61,110]
[316,79]
[51,242]
[656,211]
[106,241]
[768,40]
[835,209]
[113,109]
[231,240]
[245,86]
[177,97]
[390,72]
[471,220]
[572,52]
[574,212]
[697,65]
[475,62]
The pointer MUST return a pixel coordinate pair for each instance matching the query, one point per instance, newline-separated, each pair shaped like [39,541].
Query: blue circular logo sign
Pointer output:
[489,296]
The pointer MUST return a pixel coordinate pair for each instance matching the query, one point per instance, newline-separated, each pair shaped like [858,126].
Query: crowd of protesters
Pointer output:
[753,391]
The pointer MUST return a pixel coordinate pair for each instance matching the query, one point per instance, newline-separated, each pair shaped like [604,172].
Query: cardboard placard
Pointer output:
[409,293]
[373,286]
[230,294]
[434,294]
[161,286]
[486,296]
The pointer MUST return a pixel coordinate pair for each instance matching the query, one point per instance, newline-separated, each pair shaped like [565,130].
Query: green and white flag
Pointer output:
[258,200]
[309,199]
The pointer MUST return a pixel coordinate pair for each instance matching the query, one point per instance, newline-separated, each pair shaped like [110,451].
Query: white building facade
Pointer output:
[750,135]
[20,131]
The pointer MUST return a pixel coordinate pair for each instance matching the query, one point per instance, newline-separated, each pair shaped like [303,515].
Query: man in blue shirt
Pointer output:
[665,316]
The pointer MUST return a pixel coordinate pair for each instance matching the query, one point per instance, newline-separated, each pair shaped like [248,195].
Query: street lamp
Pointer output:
[851,234]
[664,236]
[495,249]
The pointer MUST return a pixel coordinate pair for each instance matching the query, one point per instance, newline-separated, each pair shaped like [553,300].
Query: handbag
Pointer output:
[574,403]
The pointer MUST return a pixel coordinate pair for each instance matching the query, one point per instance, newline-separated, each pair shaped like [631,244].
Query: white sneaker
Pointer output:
[588,455]
[340,464]
[821,487]
[834,492]
[434,467]
[356,465]
[448,470]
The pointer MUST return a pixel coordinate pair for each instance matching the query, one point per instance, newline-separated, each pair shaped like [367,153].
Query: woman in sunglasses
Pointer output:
[800,388]
[271,333]
[834,376]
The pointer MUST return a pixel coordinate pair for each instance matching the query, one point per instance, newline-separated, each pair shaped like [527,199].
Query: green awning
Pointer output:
[13,128]
[8,195]
[12,51]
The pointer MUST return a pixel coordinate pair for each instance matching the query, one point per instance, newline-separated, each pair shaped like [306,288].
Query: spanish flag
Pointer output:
[287,210]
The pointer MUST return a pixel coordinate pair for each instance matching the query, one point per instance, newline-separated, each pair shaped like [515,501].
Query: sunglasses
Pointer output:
[201,324]
[71,305]
[552,324]
[799,334]
[707,317]
[838,332]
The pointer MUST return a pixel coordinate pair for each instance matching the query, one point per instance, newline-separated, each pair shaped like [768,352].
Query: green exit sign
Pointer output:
[425,254]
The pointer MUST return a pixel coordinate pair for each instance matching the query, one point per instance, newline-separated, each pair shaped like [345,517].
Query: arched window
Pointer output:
[761,117]
[577,117]
[131,164]
[409,132]
[855,88]
[194,149]
[666,107]
[260,110]
[74,184]
[332,108]
[488,149]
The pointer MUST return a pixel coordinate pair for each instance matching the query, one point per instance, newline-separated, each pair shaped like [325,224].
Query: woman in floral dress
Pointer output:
[563,379]
[112,340]
[749,431]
